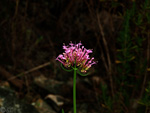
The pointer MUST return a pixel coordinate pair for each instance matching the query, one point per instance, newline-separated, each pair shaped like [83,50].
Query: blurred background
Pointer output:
[32,35]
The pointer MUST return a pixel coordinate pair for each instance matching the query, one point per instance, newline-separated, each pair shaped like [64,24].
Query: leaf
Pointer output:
[63,111]
[82,74]
[65,68]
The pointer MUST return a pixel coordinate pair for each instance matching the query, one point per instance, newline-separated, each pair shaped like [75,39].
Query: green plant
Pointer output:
[131,65]
[75,58]
[106,98]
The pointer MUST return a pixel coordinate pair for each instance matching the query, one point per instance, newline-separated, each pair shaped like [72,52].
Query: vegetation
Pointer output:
[32,33]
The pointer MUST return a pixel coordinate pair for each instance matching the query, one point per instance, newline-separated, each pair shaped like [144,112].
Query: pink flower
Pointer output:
[76,55]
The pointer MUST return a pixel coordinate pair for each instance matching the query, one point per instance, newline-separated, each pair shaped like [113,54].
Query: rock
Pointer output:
[10,104]
[43,107]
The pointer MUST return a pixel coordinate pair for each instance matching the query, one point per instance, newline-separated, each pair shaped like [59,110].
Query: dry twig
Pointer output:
[31,70]
[109,66]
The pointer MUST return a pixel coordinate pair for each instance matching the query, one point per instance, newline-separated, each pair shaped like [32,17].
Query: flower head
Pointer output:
[76,55]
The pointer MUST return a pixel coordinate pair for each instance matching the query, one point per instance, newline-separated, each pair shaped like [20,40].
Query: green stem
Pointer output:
[74,90]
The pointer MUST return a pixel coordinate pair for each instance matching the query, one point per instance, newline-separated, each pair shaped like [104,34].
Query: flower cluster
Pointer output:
[76,55]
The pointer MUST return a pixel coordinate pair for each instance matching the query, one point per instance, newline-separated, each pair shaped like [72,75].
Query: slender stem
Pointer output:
[74,90]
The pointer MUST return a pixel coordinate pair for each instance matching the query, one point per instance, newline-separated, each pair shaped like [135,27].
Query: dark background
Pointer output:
[32,35]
